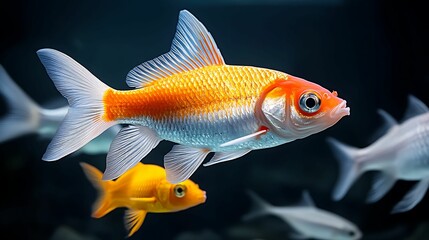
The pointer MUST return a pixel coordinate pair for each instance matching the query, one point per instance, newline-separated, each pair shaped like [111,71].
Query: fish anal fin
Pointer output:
[246,138]
[226,156]
[133,220]
[193,47]
[413,197]
[182,161]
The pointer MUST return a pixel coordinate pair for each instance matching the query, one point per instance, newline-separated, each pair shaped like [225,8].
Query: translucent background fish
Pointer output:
[374,53]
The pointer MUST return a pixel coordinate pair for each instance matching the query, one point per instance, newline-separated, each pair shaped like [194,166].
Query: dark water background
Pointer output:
[374,53]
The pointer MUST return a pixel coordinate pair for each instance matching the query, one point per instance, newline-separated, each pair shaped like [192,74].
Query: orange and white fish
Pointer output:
[142,189]
[191,97]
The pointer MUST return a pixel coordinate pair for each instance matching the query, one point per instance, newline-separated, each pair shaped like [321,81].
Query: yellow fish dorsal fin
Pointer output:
[193,47]
[133,220]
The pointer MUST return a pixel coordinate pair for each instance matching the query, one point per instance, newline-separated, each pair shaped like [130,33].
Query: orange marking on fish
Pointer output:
[202,91]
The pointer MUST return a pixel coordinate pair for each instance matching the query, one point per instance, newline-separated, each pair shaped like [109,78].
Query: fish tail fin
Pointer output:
[103,204]
[350,167]
[23,115]
[259,207]
[84,92]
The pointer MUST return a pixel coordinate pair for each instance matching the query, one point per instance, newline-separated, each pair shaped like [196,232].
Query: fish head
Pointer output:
[185,194]
[295,108]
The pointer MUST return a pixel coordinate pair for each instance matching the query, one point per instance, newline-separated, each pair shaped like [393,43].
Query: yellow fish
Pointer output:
[191,97]
[142,189]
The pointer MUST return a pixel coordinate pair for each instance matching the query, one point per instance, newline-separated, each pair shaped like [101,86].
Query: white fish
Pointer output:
[25,116]
[402,153]
[308,220]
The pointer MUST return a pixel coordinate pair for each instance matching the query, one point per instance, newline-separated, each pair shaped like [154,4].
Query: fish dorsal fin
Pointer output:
[133,220]
[415,107]
[388,123]
[193,47]
[306,200]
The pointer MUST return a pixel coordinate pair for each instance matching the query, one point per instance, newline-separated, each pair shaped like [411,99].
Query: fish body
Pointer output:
[191,97]
[143,189]
[24,116]
[189,109]
[404,148]
[307,220]
[402,153]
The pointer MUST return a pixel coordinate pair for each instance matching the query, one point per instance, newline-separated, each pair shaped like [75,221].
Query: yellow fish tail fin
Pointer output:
[84,92]
[133,220]
[103,204]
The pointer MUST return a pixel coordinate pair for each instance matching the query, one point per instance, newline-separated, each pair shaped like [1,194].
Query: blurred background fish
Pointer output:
[373,52]
[402,153]
[306,219]
[143,189]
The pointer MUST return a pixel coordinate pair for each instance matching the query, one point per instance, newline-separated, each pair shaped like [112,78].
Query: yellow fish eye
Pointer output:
[179,191]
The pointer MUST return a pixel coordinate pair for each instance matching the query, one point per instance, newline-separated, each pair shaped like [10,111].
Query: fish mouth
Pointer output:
[340,110]
[203,198]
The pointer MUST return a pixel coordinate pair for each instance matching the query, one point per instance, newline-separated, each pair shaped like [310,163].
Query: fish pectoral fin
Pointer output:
[245,138]
[133,220]
[193,47]
[144,200]
[130,145]
[413,197]
[182,161]
[226,156]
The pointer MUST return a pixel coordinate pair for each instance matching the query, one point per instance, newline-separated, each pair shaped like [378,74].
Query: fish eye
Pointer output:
[179,191]
[351,233]
[309,102]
